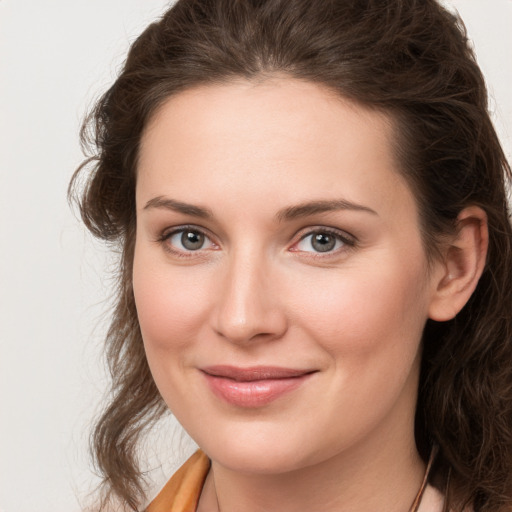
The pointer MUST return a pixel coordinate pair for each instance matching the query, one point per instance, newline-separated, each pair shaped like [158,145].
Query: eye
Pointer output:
[323,241]
[187,240]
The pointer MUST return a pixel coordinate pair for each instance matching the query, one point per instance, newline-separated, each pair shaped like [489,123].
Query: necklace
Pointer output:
[417,501]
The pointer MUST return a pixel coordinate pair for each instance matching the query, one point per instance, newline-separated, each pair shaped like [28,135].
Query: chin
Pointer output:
[256,460]
[259,450]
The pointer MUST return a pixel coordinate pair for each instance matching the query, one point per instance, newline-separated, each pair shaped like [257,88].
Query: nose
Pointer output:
[247,306]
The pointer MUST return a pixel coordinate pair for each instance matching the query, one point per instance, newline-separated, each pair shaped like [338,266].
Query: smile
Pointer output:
[255,386]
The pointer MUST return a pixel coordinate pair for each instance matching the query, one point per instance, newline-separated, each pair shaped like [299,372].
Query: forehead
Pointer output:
[279,138]
[276,104]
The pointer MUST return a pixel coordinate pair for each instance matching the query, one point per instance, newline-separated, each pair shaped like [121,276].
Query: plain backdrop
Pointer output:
[56,57]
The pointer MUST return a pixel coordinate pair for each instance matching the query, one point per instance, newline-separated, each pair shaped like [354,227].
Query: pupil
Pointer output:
[323,242]
[192,240]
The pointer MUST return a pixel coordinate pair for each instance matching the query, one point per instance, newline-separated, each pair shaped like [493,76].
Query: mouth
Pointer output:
[254,386]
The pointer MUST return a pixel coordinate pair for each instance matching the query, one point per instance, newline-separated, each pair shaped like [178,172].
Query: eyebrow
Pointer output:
[177,206]
[314,207]
[288,213]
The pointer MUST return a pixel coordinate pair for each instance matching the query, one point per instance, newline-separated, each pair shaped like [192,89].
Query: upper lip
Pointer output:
[253,373]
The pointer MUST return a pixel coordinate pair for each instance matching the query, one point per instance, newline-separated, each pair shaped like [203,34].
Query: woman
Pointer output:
[310,201]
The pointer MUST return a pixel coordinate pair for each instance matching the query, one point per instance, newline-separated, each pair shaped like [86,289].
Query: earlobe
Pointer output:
[462,265]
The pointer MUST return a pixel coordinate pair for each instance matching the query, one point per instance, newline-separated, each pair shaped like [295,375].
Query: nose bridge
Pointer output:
[246,307]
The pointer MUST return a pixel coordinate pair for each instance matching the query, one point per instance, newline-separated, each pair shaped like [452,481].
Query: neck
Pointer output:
[368,477]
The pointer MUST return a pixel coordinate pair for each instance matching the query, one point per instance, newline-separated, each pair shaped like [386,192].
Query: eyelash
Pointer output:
[167,235]
[348,241]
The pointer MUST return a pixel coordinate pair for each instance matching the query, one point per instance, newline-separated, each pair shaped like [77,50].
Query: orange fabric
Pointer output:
[181,493]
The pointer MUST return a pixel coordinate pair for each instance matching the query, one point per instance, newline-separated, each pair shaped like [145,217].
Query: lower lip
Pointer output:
[255,393]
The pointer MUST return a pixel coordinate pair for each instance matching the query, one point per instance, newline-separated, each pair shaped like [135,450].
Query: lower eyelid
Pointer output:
[167,235]
[346,240]
[335,249]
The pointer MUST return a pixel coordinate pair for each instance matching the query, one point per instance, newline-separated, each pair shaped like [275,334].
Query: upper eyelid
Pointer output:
[349,242]
[298,236]
[168,232]
[164,236]
[310,230]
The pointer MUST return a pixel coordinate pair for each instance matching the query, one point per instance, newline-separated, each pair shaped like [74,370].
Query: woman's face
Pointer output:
[279,274]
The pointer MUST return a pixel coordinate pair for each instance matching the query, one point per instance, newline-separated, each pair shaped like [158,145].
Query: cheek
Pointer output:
[169,305]
[360,313]
[369,323]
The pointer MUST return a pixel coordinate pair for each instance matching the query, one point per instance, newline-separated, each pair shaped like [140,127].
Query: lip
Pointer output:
[254,386]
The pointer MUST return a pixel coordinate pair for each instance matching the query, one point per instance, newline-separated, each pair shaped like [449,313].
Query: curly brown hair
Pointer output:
[408,58]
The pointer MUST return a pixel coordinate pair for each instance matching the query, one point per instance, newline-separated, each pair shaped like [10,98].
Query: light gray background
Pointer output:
[56,56]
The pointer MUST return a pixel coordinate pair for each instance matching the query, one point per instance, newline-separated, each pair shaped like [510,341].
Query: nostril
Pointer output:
[265,326]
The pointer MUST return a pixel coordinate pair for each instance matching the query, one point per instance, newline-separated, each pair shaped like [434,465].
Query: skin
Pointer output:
[259,293]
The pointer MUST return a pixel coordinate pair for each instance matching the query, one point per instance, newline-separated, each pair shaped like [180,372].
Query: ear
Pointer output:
[463,261]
